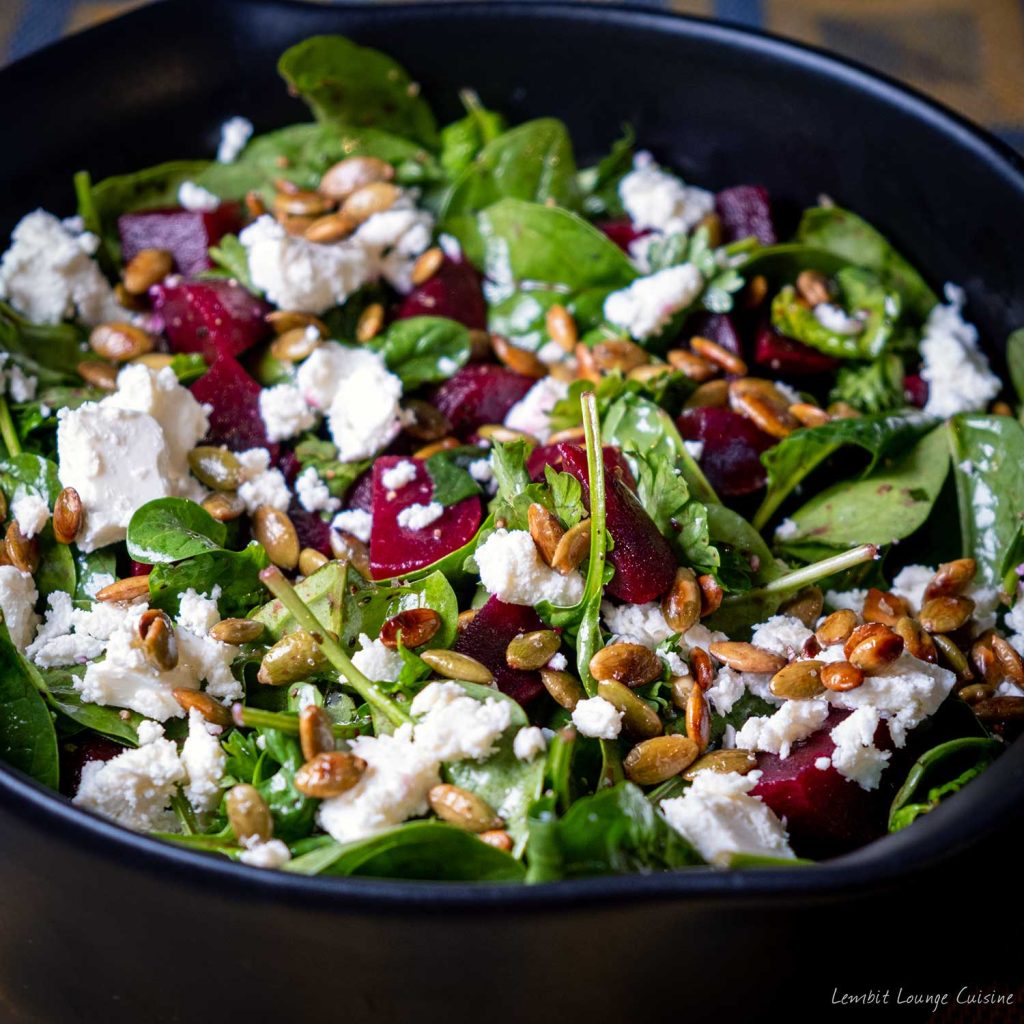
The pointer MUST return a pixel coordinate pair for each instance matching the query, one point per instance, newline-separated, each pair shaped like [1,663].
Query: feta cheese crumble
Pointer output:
[196,198]
[31,513]
[284,413]
[354,521]
[856,757]
[314,495]
[643,308]
[262,485]
[532,413]
[419,517]
[377,662]
[659,201]
[597,718]
[529,743]
[511,568]
[776,733]
[271,854]
[397,476]
[235,132]
[18,596]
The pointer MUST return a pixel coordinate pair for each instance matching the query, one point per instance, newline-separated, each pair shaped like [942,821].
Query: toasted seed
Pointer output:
[660,758]
[295,345]
[22,551]
[984,660]
[915,639]
[690,365]
[119,342]
[719,355]
[248,814]
[453,665]
[216,467]
[632,664]
[945,614]
[3,506]
[813,286]
[518,359]
[809,415]
[799,680]
[499,432]
[68,516]
[698,719]
[561,327]
[352,551]
[276,532]
[649,372]
[427,264]
[1001,409]
[159,640]
[954,657]
[951,579]
[681,687]
[498,838]
[444,444]
[744,657]
[237,631]
[974,692]
[882,606]
[531,651]
[462,808]
[682,605]
[586,368]
[766,415]
[806,605]
[347,176]
[154,360]
[711,595]
[638,717]
[371,320]
[225,508]
[841,676]
[837,627]
[315,735]
[712,224]
[545,529]
[376,197]
[428,422]
[479,345]
[329,773]
[283,185]
[712,394]
[310,560]
[299,203]
[756,291]
[98,373]
[284,320]
[574,435]
[619,355]
[843,411]
[572,549]
[131,588]
[1000,709]
[564,687]
[1009,660]
[214,713]
[330,228]
[254,204]
[296,656]
[465,618]
[415,626]
[126,300]
[147,268]
[702,668]
[872,647]
[730,760]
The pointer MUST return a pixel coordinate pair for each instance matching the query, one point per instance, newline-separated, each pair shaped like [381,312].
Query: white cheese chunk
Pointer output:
[856,757]
[195,198]
[597,718]
[31,512]
[284,412]
[235,132]
[776,733]
[314,495]
[271,854]
[643,308]
[355,521]
[377,662]
[511,568]
[657,200]
[18,596]
[532,413]
[419,517]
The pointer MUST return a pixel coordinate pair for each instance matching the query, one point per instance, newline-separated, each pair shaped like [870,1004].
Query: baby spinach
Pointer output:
[235,572]
[171,529]
[450,476]
[600,183]
[462,140]
[29,474]
[60,693]
[323,457]
[56,570]
[1015,361]
[322,592]
[93,570]
[872,388]
[348,84]
[50,352]
[293,812]
[423,349]
[522,315]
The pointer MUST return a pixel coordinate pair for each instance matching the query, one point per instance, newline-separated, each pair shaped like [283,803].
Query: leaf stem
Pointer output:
[258,718]
[7,431]
[811,573]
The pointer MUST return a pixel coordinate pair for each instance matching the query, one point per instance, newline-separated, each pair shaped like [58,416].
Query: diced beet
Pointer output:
[719,327]
[78,751]
[487,637]
[312,530]
[394,549]
[551,455]
[479,394]
[746,211]
[621,231]
[288,463]
[139,568]
[186,234]
[216,318]
[826,814]
[915,390]
[644,563]
[731,459]
[786,355]
[235,419]
[453,291]
[361,495]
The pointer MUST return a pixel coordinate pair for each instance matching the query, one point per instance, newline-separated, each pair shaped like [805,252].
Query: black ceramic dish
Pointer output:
[100,924]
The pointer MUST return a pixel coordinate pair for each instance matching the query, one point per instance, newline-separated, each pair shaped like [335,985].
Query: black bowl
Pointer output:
[99,924]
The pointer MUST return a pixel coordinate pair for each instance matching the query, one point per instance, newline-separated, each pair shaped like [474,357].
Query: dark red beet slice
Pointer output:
[731,459]
[289,464]
[78,751]
[216,318]
[394,549]
[719,327]
[644,563]
[185,234]
[786,355]
[744,211]
[826,814]
[915,390]
[551,455]
[479,394]
[621,232]
[235,418]
[361,495]
[487,637]
[139,568]
[454,291]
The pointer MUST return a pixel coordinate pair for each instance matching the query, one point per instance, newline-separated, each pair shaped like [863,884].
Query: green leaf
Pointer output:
[566,496]
[232,260]
[93,571]
[600,183]
[171,529]
[462,140]
[293,812]
[322,456]
[1015,361]
[516,492]
[56,570]
[450,476]
[423,349]
[28,740]
[26,474]
[235,572]
[872,388]
[62,696]
[323,593]
[347,84]
[50,352]
[838,231]
[522,316]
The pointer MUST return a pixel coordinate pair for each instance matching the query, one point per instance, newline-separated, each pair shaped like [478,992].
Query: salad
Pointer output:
[390,499]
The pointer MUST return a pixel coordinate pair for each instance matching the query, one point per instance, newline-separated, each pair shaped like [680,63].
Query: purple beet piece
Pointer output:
[289,464]
[621,231]
[186,234]
[551,455]
[139,568]
[453,291]
[479,394]
[826,814]
[312,530]
[216,318]
[235,419]
[487,637]
[731,459]
[395,549]
[645,565]
[915,390]
[361,495]
[719,327]
[744,211]
[786,355]
[77,752]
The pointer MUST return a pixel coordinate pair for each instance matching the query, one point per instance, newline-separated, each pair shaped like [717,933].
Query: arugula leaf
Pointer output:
[170,529]
[874,387]
[516,492]
[450,476]
[235,572]
[423,349]
[462,140]
[600,183]
[1015,361]
[347,84]
[566,496]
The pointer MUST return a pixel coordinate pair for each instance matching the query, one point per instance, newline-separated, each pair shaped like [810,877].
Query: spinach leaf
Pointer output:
[56,566]
[29,474]
[845,234]
[450,476]
[600,183]
[423,349]
[235,572]
[170,529]
[28,740]
[781,263]
[293,812]
[872,388]
[323,593]
[791,460]
[51,352]
[61,695]
[347,84]
[93,571]
[323,457]
[462,140]
[1015,361]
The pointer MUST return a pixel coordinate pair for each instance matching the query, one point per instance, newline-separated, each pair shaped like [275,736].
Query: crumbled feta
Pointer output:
[597,718]
[203,761]
[313,494]
[910,584]
[73,636]
[786,529]
[822,764]
[727,688]
[856,757]
[149,732]
[529,743]
[695,449]
[659,201]
[511,568]
[235,132]
[649,303]
[271,854]
[782,634]
[853,600]
[354,521]
[18,596]
[20,385]
[719,817]
[532,413]
[957,372]
[262,485]
[397,476]
[558,662]
[377,662]
[419,517]
[776,733]
[284,413]
[645,622]
[835,319]
[453,726]
[31,512]
[196,198]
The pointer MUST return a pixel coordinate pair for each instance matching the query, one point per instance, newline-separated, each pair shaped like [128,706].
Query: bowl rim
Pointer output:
[938,836]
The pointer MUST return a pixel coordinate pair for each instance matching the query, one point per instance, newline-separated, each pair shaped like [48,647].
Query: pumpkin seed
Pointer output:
[216,467]
[775,420]
[800,680]
[22,551]
[744,657]
[531,651]
[725,761]
[690,365]
[214,713]
[955,658]
[479,345]
[682,604]
[756,291]
[619,355]
[813,287]
[120,341]
[131,588]
[628,663]
[453,665]
[680,686]
[872,647]
[499,432]
[254,204]
[660,758]
[248,814]
[843,411]
[565,688]
[284,320]
[225,508]
[1000,709]
[340,180]
[806,605]
[701,668]
[561,327]
[574,435]
[295,345]
[415,626]
[159,640]
[517,359]
[638,717]
[465,618]
[712,394]
[718,355]
[882,606]
[711,595]
[426,266]
[841,676]
[428,423]
[837,627]
[68,516]
[329,773]
[352,551]
[98,373]
[310,560]
[915,639]
[3,505]
[444,444]
[545,529]
[975,692]
[945,614]
[951,579]
[315,734]
[371,320]
[463,809]
[147,268]
[809,415]
[276,532]
[294,657]
[330,228]
[299,204]
[572,548]
[984,660]
[237,631]
[1009,660]
[498,838]
[375,197]
[698,719]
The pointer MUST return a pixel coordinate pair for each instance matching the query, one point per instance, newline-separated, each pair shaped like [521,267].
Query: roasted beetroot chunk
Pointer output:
[551,455]
[915,390]
[235,419]
[784,355]
[454,291]
[621,232]
[312,530]
[78,751]
[746,211]
[731,459]
[216,318]
[185,234]
[826,814]
[487,637]
[480,394]
[719,327]
[644,563]
[396,549]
